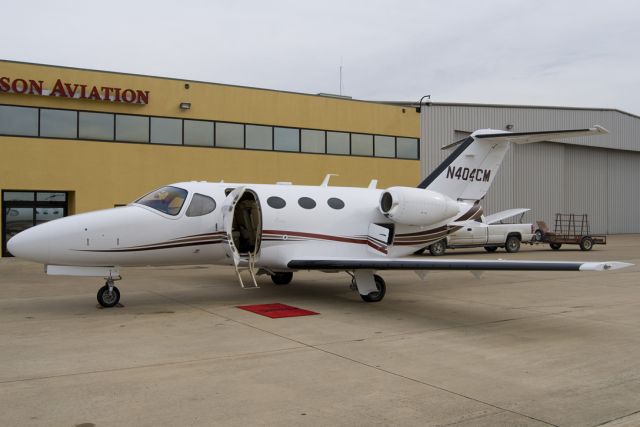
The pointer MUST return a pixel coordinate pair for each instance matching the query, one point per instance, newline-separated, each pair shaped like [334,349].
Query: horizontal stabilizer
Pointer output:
[528,137]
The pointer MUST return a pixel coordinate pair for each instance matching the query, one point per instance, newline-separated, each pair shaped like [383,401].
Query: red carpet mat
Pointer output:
[277,310]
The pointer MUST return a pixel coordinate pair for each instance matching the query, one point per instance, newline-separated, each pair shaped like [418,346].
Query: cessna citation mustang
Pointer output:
[278,229]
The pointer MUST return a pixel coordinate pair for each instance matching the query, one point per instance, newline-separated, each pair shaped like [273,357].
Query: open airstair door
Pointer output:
[242,222]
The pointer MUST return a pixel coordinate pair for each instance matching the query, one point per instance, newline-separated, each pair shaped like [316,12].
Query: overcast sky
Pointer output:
[581,53]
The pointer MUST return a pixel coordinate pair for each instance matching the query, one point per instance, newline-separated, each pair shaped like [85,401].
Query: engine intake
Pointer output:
[415,206]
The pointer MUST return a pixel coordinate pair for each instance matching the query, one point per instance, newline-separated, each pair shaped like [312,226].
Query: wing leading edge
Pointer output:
[445,264]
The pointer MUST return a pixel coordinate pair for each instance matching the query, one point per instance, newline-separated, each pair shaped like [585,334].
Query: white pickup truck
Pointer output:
[488,233]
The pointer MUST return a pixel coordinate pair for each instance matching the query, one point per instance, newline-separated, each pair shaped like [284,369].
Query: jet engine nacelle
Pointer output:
[416,206]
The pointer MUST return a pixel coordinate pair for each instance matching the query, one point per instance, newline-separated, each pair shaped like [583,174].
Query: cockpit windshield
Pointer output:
[167,200]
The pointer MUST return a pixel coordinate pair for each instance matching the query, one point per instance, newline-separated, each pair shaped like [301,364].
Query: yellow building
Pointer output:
[75,140]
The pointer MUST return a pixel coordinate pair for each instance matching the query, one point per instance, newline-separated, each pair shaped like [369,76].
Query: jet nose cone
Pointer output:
[30,245]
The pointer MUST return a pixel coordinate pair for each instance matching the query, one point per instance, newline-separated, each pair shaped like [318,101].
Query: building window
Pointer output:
[408,148]
[132,128]
[229,135]
[58,123]
[385,146]
[259,137]
[198,133]
[312,141]
[338,143]
[96,126]
[166,131]
[18,121]
[361,145]
[286,139]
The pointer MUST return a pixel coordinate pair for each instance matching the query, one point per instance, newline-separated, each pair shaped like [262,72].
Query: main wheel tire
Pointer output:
[379,294]
[512,245]
[586,243]
[555,246]
[108,299]
[490,248]
[438,248]
[283,278]
[537,236]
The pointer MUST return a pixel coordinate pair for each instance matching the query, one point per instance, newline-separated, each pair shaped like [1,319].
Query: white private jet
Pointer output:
[278,229]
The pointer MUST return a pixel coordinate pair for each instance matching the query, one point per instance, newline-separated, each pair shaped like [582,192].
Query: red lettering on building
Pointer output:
[5,84]
[58,89]
[74,90]
[35,87]
[19,86]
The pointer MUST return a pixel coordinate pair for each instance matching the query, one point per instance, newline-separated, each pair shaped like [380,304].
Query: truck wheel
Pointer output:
[438,248]
[490,248]
[512,245]
[555,246]
[537,236]
[586,243]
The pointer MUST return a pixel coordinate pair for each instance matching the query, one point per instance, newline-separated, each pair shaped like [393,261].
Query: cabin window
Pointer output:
[306,203]
[276,202]
[201,205]
[168,200]
[335,203]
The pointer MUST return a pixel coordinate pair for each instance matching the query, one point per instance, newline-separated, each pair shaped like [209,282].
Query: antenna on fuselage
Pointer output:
[373,184]
[325,182]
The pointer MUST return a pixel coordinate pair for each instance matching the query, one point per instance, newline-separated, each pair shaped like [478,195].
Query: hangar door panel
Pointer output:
[538,180]
[624,195]
[586,185]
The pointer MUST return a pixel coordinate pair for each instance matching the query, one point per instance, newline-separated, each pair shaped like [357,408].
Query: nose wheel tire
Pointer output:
[283,278]
[377,295]
[108,298]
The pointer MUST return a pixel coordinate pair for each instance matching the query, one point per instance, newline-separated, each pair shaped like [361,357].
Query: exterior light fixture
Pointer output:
[185,105]
[420,103]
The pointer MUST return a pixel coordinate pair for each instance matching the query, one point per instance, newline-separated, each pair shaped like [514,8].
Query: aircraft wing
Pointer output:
[343,264]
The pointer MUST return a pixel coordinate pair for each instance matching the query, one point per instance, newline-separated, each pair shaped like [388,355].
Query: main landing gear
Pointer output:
[371,287]
[108,295]
[282,278]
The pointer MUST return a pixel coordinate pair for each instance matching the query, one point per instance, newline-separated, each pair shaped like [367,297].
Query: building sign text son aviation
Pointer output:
[74,90]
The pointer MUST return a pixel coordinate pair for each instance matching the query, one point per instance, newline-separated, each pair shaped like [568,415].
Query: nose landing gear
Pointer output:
[108,295]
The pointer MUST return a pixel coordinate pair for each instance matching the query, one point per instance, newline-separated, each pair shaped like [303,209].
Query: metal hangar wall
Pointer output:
[599,176]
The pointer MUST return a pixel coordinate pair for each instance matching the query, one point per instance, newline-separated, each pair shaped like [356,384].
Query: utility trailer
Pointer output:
[569,229]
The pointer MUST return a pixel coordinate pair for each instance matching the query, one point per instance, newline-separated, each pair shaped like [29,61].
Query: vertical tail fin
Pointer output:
[467,173]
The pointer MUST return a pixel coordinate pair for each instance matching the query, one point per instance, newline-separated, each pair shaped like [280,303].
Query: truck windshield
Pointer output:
[167,200]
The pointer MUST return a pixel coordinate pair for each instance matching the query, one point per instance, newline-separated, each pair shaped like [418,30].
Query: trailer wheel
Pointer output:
[512,245]
[555,246]
[586,243]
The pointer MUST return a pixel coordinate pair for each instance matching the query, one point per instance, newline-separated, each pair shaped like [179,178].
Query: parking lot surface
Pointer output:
[508,348]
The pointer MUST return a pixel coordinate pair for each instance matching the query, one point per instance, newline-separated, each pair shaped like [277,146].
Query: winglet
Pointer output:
[604,266]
